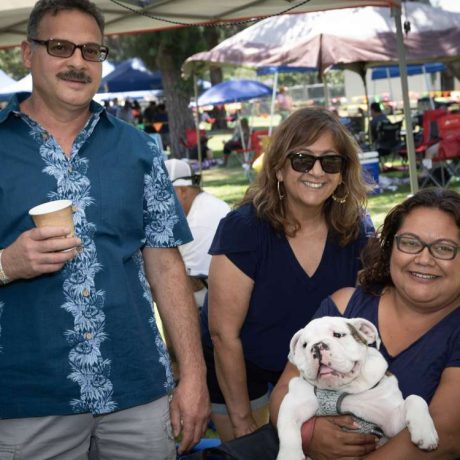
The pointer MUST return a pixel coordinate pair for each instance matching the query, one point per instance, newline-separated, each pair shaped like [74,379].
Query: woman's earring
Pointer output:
[340,199]
[278,187]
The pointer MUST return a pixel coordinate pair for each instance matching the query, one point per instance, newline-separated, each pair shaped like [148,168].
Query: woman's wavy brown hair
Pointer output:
[377,253]
[301,129]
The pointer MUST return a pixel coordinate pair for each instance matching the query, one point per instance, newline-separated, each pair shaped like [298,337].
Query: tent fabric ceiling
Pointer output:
[322,39]
[122,16]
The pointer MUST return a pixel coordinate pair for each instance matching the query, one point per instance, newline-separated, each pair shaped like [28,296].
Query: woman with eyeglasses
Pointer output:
[295,238]
[410,289]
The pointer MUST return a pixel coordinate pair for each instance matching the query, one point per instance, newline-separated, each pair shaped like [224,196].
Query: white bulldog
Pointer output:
[332,353]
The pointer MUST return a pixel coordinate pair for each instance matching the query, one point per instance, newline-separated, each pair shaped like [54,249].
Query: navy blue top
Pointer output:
[84,339]
[418,367]
[284,297]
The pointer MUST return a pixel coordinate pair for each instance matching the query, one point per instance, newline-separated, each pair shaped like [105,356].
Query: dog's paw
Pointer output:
[285,454]
[420,424]
[424,436]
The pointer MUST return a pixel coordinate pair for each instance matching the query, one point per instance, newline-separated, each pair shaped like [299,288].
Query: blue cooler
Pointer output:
[370,165]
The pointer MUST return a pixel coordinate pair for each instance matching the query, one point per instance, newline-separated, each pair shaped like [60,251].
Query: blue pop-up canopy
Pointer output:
[131,75]
[379,73]
[234,91]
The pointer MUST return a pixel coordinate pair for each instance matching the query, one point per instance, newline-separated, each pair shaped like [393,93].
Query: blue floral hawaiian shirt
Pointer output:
[85,339]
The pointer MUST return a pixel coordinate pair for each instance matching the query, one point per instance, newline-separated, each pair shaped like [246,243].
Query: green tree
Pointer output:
[166,51]
[11,63]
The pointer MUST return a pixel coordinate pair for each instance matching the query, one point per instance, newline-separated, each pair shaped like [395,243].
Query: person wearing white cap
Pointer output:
[203,212]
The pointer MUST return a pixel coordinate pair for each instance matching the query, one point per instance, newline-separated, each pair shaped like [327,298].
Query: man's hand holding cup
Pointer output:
[46,248]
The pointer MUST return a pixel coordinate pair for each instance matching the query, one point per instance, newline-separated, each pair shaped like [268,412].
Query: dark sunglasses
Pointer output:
[64,49]
[304,162]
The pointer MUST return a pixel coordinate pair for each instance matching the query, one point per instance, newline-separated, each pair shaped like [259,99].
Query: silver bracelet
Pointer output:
[3,278]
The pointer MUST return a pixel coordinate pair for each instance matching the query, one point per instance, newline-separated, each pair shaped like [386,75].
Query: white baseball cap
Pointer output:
[180,173]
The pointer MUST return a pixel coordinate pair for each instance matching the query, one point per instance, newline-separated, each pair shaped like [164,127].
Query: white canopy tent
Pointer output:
[5,79]
[126,16]
[25,83]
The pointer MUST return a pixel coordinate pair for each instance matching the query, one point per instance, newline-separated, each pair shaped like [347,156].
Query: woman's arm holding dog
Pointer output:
[445,411]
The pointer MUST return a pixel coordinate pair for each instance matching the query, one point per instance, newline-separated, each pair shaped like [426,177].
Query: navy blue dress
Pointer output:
[284,297]
[418,367]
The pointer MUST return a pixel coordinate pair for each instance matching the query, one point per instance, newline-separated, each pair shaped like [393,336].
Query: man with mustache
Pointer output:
[81,357]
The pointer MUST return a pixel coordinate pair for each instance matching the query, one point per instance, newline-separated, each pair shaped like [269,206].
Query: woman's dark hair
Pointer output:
[302,128]
[377,254]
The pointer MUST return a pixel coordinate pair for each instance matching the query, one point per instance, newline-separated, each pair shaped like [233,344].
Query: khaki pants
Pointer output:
[139,433]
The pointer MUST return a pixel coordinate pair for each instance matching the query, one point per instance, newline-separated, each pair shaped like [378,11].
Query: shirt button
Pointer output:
[85,292]
[70,169]
[45,136]
[88,335]
[74,209]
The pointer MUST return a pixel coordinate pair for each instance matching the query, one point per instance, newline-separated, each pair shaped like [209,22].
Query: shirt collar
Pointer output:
[13,107]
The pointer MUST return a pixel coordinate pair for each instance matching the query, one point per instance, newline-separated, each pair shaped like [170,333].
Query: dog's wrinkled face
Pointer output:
[331,351]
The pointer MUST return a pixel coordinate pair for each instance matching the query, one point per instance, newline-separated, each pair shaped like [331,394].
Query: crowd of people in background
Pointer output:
[152,119]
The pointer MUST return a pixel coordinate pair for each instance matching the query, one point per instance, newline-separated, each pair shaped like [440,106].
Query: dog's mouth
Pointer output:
[325,371]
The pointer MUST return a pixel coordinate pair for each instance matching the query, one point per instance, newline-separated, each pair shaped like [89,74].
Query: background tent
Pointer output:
[123,16]
[131,75]
[234,91]
[379,73]
[25,84]
[389,72]
[354,38]
[5,79]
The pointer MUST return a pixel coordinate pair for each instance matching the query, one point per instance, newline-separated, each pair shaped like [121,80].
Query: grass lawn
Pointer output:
[230,183]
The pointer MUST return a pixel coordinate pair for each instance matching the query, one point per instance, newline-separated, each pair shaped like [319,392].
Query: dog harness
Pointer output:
[330,403]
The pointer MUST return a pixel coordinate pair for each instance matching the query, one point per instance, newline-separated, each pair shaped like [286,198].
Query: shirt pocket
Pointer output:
[118,203]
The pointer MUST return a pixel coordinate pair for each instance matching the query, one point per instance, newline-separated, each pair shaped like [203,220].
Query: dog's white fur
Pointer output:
[333,353]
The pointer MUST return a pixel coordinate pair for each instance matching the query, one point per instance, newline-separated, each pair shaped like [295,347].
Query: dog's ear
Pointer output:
[294,341]
[366,331]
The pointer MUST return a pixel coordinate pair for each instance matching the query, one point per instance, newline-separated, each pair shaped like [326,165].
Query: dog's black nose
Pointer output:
[317,348]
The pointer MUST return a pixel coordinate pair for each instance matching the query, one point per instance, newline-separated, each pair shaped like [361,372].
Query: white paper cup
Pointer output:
[57,213]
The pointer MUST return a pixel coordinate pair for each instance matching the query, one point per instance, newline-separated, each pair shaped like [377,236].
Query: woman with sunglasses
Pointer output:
[410,289]
[295,238]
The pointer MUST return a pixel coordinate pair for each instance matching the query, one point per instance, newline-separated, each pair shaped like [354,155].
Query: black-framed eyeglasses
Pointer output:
[304,161]
[440,249]
[64,49]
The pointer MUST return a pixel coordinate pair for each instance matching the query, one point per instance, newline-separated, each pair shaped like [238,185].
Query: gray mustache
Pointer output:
[75,75]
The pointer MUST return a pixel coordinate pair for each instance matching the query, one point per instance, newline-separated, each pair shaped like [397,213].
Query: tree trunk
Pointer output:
[177,101]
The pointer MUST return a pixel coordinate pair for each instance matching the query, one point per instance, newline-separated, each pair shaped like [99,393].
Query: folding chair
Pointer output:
[448,156]
[430,133]
[190,141]
[388,140]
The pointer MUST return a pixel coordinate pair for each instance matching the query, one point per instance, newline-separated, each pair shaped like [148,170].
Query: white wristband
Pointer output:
[3,278]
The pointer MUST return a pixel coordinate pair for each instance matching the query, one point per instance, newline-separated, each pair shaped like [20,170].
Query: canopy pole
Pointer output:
[272,106]
[197,123]
[410,146]
[326,91]
[362,74]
